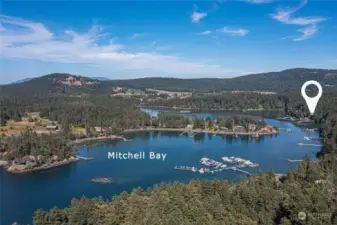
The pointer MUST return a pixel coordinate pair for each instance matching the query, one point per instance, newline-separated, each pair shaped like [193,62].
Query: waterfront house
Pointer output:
[239,128]
[189,126]
[52,127]
[24,162]
[99,129]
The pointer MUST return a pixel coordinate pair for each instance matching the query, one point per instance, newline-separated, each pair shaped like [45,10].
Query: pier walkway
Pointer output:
[85,158]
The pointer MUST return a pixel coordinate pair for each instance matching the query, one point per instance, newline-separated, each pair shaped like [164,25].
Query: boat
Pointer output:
[194,169]
[103,180]
[254,165]
[227,159]
[239,160]
[288,130]
[201,171]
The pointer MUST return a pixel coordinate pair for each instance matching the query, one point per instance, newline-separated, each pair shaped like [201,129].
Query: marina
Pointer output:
[213,166]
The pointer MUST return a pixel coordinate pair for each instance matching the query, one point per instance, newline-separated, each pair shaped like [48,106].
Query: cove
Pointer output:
[23,194]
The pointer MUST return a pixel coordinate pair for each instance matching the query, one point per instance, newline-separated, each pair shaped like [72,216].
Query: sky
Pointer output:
[185,39]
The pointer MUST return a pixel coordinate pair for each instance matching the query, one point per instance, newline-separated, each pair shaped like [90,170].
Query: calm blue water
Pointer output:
[23,194]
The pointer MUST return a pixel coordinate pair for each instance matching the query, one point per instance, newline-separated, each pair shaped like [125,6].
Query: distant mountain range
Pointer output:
[287,80]
[99,78]
[21,81]
[28,79]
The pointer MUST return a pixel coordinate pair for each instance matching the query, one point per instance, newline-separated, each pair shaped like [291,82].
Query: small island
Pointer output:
[102,180]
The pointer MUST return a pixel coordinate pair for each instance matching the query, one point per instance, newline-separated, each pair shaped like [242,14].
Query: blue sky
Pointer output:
[129,39]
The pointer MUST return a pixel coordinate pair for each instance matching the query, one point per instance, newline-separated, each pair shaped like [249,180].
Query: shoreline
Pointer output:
[200,131]
[214,110]
[44,166]
[111,137]
[10,169]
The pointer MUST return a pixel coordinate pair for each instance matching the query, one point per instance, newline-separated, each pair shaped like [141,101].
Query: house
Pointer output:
[99,129]
[252,127]
[24,162]
[52,127]
[239,128]
[189,126]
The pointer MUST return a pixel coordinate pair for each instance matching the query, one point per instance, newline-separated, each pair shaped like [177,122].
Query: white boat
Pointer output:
[227,159]
[194,169]
[239,160]
[201,170]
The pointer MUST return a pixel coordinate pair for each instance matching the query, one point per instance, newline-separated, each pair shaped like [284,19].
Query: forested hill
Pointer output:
[287,80]
[57,83]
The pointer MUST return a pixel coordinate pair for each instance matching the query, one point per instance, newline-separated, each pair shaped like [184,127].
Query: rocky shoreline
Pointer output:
[78,141]
[23,169]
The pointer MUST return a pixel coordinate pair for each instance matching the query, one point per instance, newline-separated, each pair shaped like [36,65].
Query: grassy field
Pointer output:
[32,120]
[77,130]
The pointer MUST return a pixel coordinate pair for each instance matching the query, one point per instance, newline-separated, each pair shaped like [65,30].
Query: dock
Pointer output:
[293,160]
[195,134]
[240,170]
[312,138]
[124,139]
[313,145]
[85,158]
[182,133]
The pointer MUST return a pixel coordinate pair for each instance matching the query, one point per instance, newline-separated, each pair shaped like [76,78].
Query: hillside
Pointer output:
[66,84]
[57,83]
[287,80]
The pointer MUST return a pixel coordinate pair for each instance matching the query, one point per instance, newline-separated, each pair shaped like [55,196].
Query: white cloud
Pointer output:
[137,35]
[206,32]
[285,16]
[233,31]
[32,40]
[308,32]
[258,1]
[197,16]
